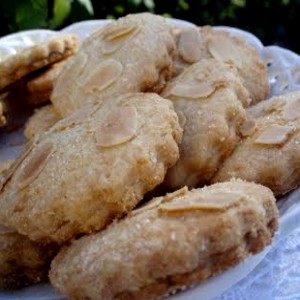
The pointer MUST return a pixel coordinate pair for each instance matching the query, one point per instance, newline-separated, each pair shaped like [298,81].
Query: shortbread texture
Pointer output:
[131,54]
[90,168]
[172,243]
[208,98]
[269,152]
[36,57]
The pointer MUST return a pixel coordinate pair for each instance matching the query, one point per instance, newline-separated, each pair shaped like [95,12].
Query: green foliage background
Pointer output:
[274,22]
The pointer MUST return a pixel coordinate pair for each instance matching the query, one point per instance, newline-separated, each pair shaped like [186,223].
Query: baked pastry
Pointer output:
[172,243]
[90,168]
[41,120]
[131,54]
[206,42]
[208,99]
[23,62]
[22,261]
[269,152]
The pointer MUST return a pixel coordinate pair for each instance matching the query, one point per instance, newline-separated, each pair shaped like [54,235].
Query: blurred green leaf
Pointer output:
[87,5]
[149,4]
[30,14]
[61,10]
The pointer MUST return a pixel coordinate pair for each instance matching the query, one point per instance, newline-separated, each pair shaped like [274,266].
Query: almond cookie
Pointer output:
[269,153]
[208,99]
[172,243]
[131,54]
[39,86]
[30,59]
[206,42]
[91,167]
[22,261]
[42,119]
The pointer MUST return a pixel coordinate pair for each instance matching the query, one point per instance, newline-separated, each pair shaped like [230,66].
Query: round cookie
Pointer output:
[269,153]
[172,243]
[91,167]
[206,42]
[25,61]
[208,99]
[131,54]
[22,261]
[41,120]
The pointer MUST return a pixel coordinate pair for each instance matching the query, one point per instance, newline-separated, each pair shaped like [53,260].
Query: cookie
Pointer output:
[90,168]
[22,261]
[171,244]
[131,54]
[269,153]
[42,119]
[208,99]
[206,42]
[30,59]
[39,86]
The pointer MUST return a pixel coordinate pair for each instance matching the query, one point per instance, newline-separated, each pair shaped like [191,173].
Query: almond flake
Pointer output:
[9,172]
[214,201]
[118,127]
[195,91]
[248,127]
[291,110]
[274,135]
[223,50]
[77,117]
[151,204]
[188,45]
[104,75]
[74,66]
[36,164]
[115,36]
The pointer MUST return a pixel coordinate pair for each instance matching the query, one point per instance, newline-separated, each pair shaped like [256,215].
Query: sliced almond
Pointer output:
[274,135]
[291,110]
[118,127]
[189,45]
[77,117]
[104,75]
[215,201]
[10,171]
[116,35]
[223,50]
[248,127]
[36,164]
[155,202]
[74,66]
[192,91]
[151,204]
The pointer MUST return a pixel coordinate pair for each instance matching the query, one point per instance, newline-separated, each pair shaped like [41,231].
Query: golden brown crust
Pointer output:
[162,249]
[131,54]
[208,99]
[207,42]
[224,46]
[36,57]
[269,152]
[91,167]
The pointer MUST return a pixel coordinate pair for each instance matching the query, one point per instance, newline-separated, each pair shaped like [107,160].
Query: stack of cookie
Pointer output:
[145,110]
